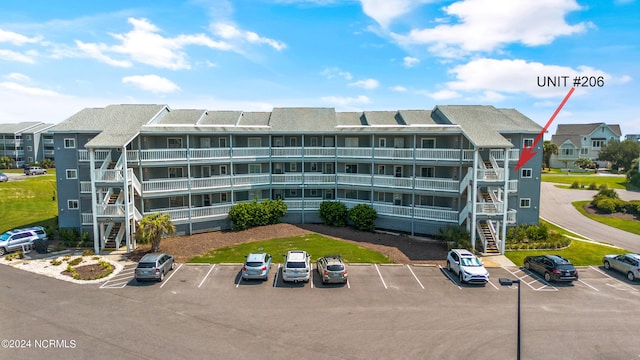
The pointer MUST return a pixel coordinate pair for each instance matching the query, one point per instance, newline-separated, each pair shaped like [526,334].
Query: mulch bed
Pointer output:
[89,272]
[590,209]
[400,249]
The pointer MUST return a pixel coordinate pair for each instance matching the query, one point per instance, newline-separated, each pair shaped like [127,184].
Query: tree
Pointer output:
[6,162]
[620,153]
[585,163]
[153,227]
[47,163]
[633,175]
[548,149]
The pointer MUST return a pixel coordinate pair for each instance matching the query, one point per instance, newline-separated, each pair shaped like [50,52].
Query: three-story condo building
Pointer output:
[421,170]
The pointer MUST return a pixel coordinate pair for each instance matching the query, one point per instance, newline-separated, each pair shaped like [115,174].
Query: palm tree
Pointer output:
[548,149]
[153,227]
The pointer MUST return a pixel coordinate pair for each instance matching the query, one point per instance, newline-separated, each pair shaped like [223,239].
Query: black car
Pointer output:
[552,267]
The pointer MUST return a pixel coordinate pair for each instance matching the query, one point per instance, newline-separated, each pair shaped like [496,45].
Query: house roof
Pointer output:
[484,125]
[116,125]
[21,127]
[573,132]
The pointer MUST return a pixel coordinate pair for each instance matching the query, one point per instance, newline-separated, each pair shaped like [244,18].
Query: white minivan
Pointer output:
[297,266]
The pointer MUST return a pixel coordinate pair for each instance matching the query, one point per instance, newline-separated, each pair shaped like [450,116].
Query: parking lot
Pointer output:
[370,278]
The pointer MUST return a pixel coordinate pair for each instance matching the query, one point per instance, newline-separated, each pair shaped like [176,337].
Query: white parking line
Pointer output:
[414,275]
[545,287]
[275,280]
[612,278]
[170,276]
[379,274]
[588,285]
[205,277]
[446,273]
[492,284]
[311,275]
[119,281]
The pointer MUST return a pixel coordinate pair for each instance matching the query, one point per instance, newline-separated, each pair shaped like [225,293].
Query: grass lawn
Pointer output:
[562,231]
[613,182]
[29,201]
[314,244]
[580,253]
[632,226]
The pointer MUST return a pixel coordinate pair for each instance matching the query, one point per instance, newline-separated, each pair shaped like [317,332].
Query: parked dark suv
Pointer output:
[552,267]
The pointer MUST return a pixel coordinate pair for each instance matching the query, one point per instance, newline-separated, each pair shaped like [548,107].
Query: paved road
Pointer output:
[555,206]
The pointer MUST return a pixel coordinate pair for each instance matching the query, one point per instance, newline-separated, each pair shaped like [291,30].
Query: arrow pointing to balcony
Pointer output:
[527,152]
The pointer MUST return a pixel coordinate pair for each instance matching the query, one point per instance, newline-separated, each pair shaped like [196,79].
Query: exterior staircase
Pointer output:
[490,241]
[111,240]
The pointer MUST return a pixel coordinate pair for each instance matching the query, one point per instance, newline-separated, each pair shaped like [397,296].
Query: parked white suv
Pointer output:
[297,266]
[467,266]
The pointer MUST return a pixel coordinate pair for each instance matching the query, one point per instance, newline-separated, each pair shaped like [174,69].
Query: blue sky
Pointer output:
[57,58]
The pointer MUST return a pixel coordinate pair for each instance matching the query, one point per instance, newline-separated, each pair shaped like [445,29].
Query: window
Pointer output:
[525,203]
[293,167]
[328,141]
[597,143]
[350,194]
[176,201]
[566,152]
[293,142]
[224,197]
[277,168]
[381,169]
[73,204]
[222,142]
[351,168]
[313,166]
[255,168]
[30,159]
[293,192]
[69,143]
[313,192]
[174,143]
[223,169]
[584,151]
[278,142]
[28,137]
[525,173]
[29,148]
[175,172]
[206,170]
[382,142]
[254,142]
[428,143]
[427,171]
[313,141]
[72,174]
[528,143]
[351,142]
[206,200]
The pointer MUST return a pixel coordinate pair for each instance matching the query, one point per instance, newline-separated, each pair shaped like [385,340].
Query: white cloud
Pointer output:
[345,101]
[17,39]
[385,11]
[26,90]
[485,27]
[17,77]
[517,77]
[96,51]
[410,61]
[233,33]
[152,83]
[443,95]
[333,72]
[368,84]
[399,88]
[10,55]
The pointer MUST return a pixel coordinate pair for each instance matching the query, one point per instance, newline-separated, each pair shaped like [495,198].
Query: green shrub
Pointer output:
[606,205]
[333,213]
[363,216]
[251,214]
[457,237]
[69,237]
[16,255]
[75,261]
[55,262]
[575,185]
[593,186]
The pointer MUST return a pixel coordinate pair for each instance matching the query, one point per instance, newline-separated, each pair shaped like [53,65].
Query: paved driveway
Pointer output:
[555,207]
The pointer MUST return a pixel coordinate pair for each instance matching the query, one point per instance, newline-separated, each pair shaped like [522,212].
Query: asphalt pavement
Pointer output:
[555,207]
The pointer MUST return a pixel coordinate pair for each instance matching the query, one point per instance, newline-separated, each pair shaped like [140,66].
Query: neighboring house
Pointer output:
[582,141]
[632,137]
[421,170]
[26,142]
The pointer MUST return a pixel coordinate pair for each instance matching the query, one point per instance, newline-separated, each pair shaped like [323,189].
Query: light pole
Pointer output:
[509,282]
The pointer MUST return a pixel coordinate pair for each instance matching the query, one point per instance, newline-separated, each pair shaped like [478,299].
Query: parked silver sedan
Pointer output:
[628,264]
[332,269]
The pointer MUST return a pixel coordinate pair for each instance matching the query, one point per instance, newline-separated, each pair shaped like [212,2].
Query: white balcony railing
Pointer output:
[392,181]
[286,152]
[489,208]
[206,154]
[417,212]
[164,185]
[290,178]
[437,184]
[318,178]
[250,152]
[491,174]
[307,204]
[354,152]
[393,153]
[251,179]
[512,186]
[354,179]
[211,182]
[85,187]
[319,152]
[99,155]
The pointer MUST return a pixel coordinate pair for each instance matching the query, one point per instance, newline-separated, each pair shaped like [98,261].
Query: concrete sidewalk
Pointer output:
[496,261]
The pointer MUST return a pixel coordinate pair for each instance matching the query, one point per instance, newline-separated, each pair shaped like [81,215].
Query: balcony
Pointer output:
[307,204]
[251,180]
[489,208]
[354,179]
[319,178]
[211,182]
[393,153]
[318,152]
[295,152]
[491,174]
[393,182]
[250,152]
[184,214]
[354,152]
[290,179]
[437,184]
[165,185]
[430,213]
[99,155]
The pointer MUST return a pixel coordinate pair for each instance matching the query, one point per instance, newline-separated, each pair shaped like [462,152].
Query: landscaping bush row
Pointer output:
[607,201]
[335,213]
[534,237]
[251,214]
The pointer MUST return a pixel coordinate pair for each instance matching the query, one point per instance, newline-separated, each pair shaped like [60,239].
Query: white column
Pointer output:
[97,239]
[474,197]
[127,209]
[503,235]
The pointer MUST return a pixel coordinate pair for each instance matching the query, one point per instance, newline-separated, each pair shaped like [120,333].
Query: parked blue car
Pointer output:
[256,267]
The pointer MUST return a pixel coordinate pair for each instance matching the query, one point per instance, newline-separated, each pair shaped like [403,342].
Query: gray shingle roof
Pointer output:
[182,116]
[115,125]
[254,119]
[573,132]
[417,117]
[483,124]
[303,119]
[18,127]
[221,118]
